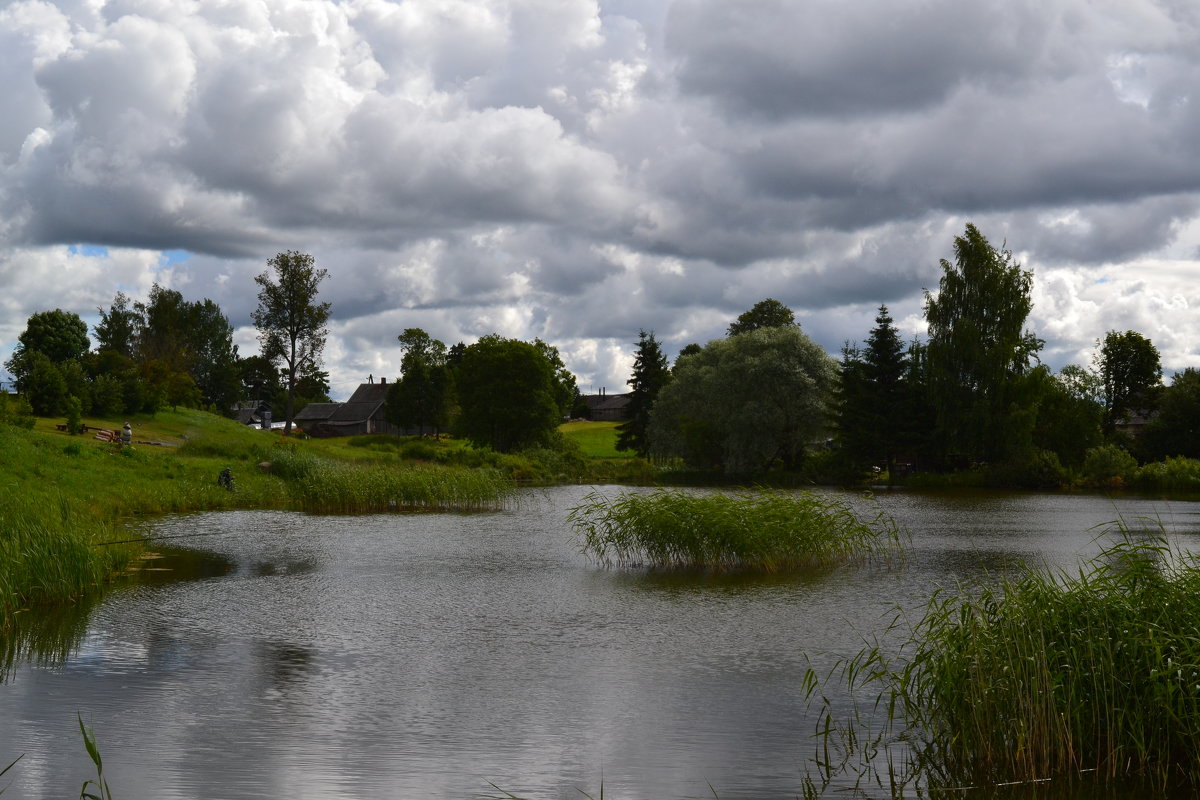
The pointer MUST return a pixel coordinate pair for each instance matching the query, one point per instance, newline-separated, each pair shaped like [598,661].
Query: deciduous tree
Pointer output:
[118,327]
[423,395]
[1131,374]
[1176,429]
[506,392]
[769,313]
[744,402]
[978,345]
[58,335]
[291,323]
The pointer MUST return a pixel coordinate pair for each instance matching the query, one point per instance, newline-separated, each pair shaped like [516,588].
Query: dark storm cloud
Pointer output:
[579,170]
[775,58]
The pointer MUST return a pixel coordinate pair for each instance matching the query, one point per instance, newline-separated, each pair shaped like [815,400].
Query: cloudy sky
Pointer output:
[577,170]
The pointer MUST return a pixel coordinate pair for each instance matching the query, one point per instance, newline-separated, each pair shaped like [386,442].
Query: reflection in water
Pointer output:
[45,638]
[293,567]
[50,637]
[426,655]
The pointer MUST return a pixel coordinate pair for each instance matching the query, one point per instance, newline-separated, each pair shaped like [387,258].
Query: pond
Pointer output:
[456,656]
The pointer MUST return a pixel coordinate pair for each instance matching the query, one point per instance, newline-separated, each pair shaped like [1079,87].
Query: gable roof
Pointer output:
[316,412]
[370,393]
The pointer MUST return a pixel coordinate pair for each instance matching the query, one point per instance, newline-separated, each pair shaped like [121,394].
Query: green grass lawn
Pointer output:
[596,439]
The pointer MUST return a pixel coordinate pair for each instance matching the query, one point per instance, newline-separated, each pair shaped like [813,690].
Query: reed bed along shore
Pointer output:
[764,530]
[1089,676]
[322,486]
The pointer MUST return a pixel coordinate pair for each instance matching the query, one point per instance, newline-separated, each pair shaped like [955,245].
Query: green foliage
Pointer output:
[745,402]
[1033,469]
[422,398]
[977,346]
[57,335]
[291,323]
[1068,416]
[1174,474]
[74,416]
[1049,676]
[1130,371]
[93,789]
[1175,431]
[874,410]
[769,313]
[507,395]
[16,411]
[118,327]
[1108,467]
[45,387]
[566,392]
[650,375]
[333,487]
[763,530]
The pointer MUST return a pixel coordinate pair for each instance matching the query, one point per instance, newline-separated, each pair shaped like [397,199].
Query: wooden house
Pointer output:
[362,414]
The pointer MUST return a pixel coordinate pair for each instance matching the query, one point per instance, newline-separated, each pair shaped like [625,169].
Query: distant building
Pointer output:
[607,407]
[363,413]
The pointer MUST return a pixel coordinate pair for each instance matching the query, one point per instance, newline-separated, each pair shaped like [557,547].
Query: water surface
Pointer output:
[429,656]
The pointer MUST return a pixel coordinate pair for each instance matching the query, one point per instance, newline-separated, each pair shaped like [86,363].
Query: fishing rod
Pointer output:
[163,538]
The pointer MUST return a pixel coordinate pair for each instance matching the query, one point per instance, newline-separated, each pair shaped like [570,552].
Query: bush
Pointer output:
[15,411]
[1039,469]
[1108,467]
[1174,474]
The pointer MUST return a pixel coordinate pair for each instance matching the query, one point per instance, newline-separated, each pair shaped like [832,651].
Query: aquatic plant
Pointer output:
[96,789]
[767,530]
[1043,676]
[334,487]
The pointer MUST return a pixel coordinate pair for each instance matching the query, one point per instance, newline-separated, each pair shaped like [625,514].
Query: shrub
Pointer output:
[1174,474]
[1108,467]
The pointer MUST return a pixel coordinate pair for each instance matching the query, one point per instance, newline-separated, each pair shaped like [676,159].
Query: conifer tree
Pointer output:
[650,375]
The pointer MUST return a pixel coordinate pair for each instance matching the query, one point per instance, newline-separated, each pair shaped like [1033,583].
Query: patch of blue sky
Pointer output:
[88,250]
[169,258]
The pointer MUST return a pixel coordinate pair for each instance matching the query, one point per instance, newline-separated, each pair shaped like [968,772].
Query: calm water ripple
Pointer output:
[424,656]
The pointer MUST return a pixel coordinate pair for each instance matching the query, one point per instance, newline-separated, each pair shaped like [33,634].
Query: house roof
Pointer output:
[607,402]
[370,393]
[354,412]
[316,412]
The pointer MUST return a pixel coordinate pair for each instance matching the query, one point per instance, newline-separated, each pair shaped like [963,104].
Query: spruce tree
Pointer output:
[650,375]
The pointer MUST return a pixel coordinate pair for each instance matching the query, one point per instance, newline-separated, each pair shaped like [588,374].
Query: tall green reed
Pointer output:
[1042,676]
[327,486]
[767,530]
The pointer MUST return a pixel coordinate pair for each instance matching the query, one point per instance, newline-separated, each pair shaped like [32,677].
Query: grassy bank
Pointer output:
[69,497]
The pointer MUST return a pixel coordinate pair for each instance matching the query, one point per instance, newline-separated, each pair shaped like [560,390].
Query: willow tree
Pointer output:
[290,321]
[978,349]
[744,403]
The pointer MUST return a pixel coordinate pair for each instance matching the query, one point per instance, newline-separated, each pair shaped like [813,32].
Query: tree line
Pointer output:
[168,352]
[974,394]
